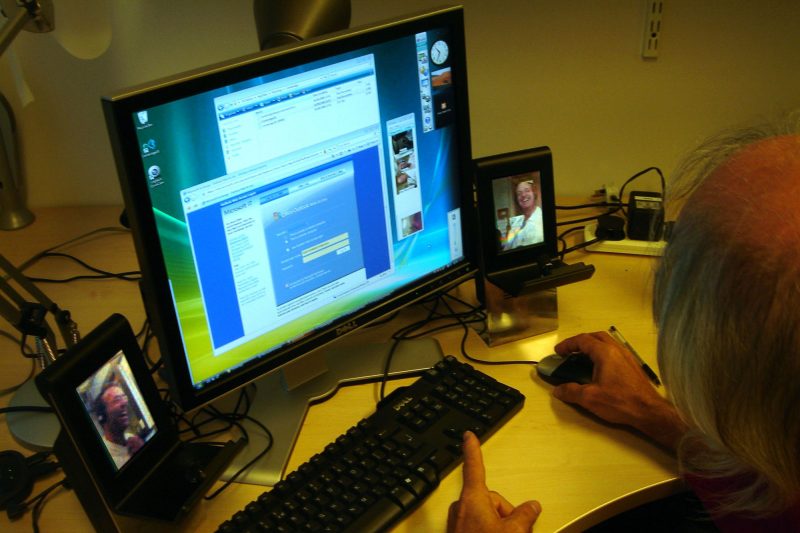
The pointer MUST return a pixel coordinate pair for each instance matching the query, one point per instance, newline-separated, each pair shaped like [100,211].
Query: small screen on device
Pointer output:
[518,211]
[118,412]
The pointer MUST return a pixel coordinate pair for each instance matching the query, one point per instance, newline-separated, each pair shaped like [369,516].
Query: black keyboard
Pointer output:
[382,468]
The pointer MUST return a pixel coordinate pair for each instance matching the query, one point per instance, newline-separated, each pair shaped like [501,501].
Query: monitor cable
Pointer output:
[425,327]
[27,352]
[465,318]
[95,232]
[466,327]
[210,421]
[98,274]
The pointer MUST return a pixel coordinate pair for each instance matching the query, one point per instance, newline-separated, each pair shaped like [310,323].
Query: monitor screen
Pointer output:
[284,199]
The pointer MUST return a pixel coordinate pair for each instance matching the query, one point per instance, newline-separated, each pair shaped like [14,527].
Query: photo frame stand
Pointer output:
[163,477]
[511,318]
[168,494]
[520,264]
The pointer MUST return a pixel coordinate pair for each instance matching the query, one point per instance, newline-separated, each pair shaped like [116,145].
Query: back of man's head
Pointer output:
[727,303]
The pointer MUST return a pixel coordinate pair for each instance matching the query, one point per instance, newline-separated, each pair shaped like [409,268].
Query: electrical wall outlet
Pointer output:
[651,41]
[611,192]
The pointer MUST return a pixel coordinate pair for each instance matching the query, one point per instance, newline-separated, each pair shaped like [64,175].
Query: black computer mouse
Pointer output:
[572,368]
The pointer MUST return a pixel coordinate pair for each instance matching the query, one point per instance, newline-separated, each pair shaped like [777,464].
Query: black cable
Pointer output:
[39,505]
[641,173]
[144,329]
[16,510]
[133,275]
[587,219]
[29,354]
[585,206]
[147,334]
[215,415]
[250,463]
[396,338]
[469,357]
[613,206]
[565,250]
[386,367]
[567,232]
[463,319]
[36,257]
[415,330]
[563,241]
[235,418]
[229,421]
[579,246]
[24,349]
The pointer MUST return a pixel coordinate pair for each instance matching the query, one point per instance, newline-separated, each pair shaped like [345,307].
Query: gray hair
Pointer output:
[727,309]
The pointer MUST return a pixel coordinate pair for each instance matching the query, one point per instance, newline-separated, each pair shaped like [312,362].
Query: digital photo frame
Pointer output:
[517,223]
[118,444]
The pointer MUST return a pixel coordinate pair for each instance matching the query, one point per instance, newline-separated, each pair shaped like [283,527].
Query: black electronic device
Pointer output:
[517,218]
[645,216]
[382,468]
[118,445]
[610,228]
[282,200]
[17,475]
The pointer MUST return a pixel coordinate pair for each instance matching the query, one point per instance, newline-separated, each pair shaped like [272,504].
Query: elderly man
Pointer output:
[727,306]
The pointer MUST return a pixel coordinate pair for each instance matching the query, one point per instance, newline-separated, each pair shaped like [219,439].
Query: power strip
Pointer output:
[625,246]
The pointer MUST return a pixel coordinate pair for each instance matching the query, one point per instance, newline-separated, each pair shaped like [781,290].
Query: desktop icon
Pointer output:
[142,116]
[149,147]
[153,172]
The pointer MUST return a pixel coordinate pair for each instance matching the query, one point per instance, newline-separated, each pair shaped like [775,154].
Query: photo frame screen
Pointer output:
[517,204]
[121,418]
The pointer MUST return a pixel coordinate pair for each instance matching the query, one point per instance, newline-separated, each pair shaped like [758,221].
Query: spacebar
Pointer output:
[379,515]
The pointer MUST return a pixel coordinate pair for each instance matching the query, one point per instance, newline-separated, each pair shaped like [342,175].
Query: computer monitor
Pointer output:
[282,200]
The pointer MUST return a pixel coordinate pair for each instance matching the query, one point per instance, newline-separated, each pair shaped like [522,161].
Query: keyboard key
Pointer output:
[403,497]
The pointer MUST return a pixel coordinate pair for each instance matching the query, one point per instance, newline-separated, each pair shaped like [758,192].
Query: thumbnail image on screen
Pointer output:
[115,405]
[518,211]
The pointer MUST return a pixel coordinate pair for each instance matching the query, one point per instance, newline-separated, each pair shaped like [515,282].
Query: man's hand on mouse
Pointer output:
[481,510]
[620,391]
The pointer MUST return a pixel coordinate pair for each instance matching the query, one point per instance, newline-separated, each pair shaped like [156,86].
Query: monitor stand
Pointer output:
[283,397]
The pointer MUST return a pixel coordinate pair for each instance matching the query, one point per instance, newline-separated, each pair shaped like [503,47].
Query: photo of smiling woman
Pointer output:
[525,226]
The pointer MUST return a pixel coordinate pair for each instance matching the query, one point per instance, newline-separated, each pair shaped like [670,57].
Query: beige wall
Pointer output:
[563,73]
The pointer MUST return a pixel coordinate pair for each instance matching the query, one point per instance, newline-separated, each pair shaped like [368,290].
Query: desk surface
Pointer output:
[568,460]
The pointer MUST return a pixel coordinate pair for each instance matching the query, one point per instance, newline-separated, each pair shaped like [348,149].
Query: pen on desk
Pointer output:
[647,370]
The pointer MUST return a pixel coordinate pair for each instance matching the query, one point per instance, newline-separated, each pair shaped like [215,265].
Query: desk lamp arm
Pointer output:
[32,15]
[30,318]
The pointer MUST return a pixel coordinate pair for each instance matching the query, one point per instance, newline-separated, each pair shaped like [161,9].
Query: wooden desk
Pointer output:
[565,458]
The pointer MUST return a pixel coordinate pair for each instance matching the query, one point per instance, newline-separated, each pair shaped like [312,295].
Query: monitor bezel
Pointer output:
[119,110]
